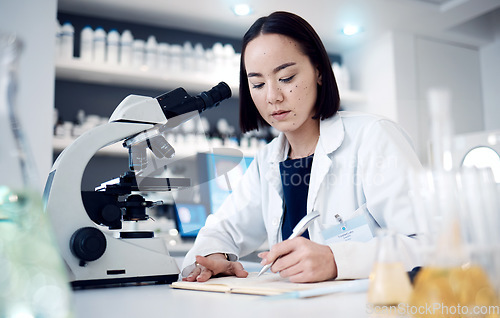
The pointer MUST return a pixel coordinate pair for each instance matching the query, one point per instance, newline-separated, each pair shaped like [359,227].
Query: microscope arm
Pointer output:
[64,205]
[63,193]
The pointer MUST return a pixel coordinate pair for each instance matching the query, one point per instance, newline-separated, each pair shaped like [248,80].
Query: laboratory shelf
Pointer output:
[80,71]
[101,73]
[117,150]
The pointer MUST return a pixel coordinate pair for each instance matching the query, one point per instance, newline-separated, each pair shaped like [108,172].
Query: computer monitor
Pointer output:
[189,218]
[221,174]
[218,175]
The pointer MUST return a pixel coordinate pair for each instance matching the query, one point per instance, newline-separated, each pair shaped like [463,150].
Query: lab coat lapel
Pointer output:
[274,179]
[273,176]
[331,137]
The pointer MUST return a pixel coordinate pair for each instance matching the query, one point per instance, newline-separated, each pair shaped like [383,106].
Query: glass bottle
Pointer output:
[33,279]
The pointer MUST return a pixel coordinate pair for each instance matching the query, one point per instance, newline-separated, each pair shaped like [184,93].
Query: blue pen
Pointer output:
[300,228]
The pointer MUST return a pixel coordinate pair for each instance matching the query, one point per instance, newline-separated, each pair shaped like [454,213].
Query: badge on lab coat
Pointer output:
[355,229]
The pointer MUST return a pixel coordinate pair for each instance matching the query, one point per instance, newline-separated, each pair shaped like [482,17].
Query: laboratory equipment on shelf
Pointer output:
[93,253]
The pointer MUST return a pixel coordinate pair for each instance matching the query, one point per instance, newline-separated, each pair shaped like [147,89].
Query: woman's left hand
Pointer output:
[301,260]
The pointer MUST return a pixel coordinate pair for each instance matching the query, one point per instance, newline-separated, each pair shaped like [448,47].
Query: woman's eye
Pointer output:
[257,85]
[287,79]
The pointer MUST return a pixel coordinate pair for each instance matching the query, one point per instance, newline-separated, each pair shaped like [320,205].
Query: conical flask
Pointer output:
[389,282]
[33,279]
[454,281]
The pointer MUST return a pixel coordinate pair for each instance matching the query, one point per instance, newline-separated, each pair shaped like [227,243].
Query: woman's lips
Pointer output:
[280,115]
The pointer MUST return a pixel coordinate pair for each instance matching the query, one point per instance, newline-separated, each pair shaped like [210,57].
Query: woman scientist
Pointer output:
[349,167]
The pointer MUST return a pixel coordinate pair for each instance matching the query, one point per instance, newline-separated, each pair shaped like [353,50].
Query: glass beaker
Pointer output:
[33,279]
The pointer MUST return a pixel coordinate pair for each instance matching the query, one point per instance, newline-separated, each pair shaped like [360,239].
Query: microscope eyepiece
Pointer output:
[178,101]
[215,95]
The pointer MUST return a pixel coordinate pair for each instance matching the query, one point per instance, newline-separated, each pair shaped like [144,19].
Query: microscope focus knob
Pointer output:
[88,244]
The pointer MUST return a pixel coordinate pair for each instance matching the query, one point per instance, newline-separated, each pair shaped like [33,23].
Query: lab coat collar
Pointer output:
[280,152]
[331,137]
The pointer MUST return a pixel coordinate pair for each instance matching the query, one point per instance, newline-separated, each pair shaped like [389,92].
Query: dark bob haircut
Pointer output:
[301,31]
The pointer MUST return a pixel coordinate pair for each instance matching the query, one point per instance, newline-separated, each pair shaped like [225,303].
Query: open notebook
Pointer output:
[267,284]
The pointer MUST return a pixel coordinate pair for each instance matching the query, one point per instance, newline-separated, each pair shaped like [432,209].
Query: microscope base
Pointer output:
[124,281]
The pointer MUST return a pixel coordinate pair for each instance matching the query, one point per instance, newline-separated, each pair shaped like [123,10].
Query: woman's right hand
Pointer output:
[214,264]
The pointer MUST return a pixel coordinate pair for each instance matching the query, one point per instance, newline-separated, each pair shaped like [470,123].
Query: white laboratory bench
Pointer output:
[163,301]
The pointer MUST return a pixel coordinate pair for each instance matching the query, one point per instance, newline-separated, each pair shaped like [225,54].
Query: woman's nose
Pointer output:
[274,94]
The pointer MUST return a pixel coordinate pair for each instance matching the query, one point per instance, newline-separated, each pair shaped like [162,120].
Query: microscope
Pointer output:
[96,256]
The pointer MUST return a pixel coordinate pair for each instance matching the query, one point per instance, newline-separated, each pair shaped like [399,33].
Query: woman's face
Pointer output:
[282,81]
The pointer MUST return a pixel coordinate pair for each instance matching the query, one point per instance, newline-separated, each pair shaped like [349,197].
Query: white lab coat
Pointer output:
[359,158]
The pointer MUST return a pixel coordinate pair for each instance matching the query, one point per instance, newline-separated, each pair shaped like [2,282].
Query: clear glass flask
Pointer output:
[33,279]
[389,282]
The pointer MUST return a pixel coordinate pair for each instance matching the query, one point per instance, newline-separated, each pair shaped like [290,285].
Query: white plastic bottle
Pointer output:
[99,45]
[67,38]
[188,57]
[126,41]
[151,50]
[199,58]
[236,67]
[86,44]
[113,46]
[210,61]
[138,53]
[228,62]
[176,58]
[218,51]
[163,56]
[228,55]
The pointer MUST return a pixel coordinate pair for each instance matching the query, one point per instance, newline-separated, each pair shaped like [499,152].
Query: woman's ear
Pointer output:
[318,76]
